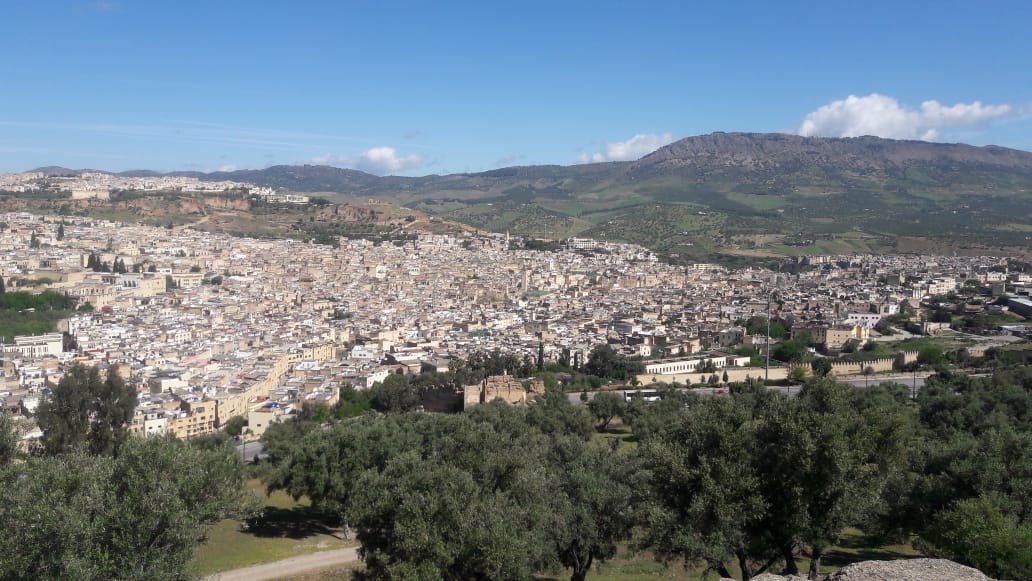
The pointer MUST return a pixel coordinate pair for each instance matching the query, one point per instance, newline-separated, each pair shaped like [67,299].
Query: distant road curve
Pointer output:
[288,567]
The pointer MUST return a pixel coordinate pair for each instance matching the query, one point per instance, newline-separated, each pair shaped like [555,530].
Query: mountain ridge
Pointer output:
[746,195]
[756,152]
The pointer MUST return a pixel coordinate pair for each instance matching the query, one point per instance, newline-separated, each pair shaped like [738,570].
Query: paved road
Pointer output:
[249,451]
[288,567]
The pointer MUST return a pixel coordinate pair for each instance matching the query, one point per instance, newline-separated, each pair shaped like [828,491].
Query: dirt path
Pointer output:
[287,567]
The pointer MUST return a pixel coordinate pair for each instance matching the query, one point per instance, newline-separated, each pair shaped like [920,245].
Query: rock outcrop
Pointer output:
[901,570]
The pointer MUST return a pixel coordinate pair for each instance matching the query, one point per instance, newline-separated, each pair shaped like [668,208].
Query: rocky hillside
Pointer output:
[746,158]
[788,153]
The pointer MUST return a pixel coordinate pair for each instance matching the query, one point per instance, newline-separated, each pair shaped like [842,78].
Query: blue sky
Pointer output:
[421,87]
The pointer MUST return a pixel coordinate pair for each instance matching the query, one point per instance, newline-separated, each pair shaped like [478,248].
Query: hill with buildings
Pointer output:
[746,195]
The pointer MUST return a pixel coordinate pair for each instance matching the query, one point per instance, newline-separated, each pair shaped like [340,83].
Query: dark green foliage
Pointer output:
[606,363]
[789,351]
[352,402]
[23,313]
[496,493]
[706,497]
[971,461]
[931,355]
[8,440]
[605,406]
[235,425]
[47,300]
[821,366]
[977,532]
[748,478]
[138,515]
[394,395]
[552,413]
[87,412]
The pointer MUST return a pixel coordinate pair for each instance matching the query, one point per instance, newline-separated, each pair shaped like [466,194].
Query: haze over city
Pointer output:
[414,88]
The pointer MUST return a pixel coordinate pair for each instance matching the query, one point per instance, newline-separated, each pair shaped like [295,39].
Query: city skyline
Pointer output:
[411,88]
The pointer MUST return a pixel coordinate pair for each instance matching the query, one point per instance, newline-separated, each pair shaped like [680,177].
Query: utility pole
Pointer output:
[766,367]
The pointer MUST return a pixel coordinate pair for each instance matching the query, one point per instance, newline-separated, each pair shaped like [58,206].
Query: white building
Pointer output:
[36,346]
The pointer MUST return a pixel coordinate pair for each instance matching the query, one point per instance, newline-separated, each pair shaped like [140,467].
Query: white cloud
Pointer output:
[884,116]
[378,160]
[634,148]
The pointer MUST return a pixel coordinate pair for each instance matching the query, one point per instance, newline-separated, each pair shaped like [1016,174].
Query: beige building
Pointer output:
[194,419]
[504,387]
[260,418]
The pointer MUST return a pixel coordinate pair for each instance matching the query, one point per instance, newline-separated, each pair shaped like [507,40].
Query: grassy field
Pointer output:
[286,529]
[616,432]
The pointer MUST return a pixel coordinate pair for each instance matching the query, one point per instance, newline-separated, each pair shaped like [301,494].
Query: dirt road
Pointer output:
[288,567]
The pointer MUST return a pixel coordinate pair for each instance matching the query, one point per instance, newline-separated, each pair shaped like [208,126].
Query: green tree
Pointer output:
[596,509]
[605,406]
[3,288]
[235,425]
[604,362]
[850,455]
[60,231]
[352,402]
[552,413]
[705,498]
[457,531]
[821,366]
[433,496]
[394,395]
[789,351]
[8,440]
[976,532]
[34,241]
[138,515]
[931,355]
[86,411]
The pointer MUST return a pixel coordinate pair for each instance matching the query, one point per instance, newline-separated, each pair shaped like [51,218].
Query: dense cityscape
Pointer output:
[208,327]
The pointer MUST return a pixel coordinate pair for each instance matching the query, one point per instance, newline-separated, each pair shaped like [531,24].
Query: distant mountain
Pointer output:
[779,163]
[56,170]
[744,162]
[746,194]
[765,151]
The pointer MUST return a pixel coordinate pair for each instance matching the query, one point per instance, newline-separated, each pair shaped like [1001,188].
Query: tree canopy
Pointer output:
[495,493]
[137,515]
[87,411]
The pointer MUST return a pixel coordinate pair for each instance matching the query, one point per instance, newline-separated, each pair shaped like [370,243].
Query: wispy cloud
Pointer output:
[884,116]
[377,160]
[634,148]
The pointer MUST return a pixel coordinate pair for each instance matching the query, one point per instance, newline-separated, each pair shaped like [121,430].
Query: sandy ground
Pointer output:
[287,567]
